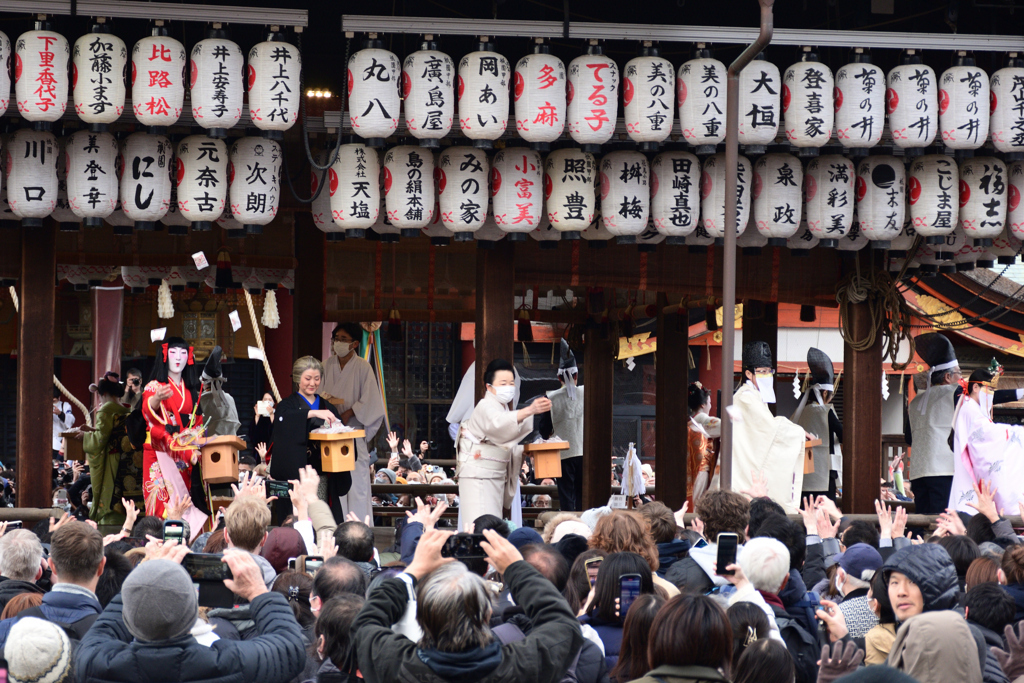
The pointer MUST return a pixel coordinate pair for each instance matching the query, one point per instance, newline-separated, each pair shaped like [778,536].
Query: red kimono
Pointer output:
[176,410]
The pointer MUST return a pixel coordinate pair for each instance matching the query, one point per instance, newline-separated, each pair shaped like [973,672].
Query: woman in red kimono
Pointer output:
[169,405]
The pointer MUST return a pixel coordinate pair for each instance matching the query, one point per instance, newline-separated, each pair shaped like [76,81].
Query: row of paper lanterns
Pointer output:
[216,72]
[460,191]
[89,178]
[960,108]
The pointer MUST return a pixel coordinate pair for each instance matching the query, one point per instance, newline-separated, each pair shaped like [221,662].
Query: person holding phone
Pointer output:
[621,578]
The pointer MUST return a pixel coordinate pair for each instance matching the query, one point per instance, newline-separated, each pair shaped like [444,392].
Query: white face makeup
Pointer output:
[177,359]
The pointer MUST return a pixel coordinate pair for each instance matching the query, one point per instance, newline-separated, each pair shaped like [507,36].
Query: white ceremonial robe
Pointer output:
[489,459]
[983,449]
[767,444]
[356,384]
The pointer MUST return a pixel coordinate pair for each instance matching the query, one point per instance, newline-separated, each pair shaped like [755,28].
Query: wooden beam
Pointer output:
[35,365]
[495,311]
[171,260]
[671,411]
[310,285]
[418,315]
[598,375]
[862,415]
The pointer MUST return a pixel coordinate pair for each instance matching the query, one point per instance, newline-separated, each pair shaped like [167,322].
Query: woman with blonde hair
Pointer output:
[294,418]
[626,531]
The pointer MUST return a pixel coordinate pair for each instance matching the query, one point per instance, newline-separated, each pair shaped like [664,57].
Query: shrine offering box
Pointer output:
[338,451]
[220,459]
[809,455]
[72,447]
[547,458]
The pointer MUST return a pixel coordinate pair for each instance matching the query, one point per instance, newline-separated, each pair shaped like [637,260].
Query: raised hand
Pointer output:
[825,528]
[844,660]
[758,486]
[986,504]
[680,515]
[393,441]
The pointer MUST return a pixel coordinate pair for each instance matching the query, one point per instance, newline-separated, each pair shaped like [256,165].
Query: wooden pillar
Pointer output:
[35,365]
[598,373]
[495,307]
[862,416]
[761,323]
[310,290]
[671,411]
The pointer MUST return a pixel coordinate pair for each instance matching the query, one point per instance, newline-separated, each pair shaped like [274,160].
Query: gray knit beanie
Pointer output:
[160,601]
[37,651]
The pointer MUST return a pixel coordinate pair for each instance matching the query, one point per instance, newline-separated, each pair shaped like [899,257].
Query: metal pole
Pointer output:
[732,143]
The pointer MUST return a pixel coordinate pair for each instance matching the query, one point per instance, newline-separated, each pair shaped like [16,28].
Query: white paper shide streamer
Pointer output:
[92,175]
[158,88]
[593,98]
[675,194]
[31,170]
[484,78]
[272,79]
[964,105]
[98,64]
[933,196]
[409,187]
[540,97]
[760,86]
[517,187]
[911,101]
[462,188]
[712,193]
[354,188]
[255,188]
[807,102]
[202,179]
[373,82]
[881,197]
[569,194]
[216,83]
[41,75]
[829,199]
[427,76]
[982,199]
[648,98]
[778,205]
[860,103]
[701,91]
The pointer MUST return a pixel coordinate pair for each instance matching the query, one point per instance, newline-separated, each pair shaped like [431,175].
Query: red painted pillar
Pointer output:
[280,344]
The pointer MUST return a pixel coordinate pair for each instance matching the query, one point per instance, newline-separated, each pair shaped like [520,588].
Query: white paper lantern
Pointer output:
[860,103]
[1014,206]
[983,198]
[701,90]
[854,240]
[933,196]
[807,102]
[227,221]
[966,253]
[5,72]
[427,91]
[751,242]
[202,179]
[777,197]
[191,276]
[1006,247]
[902,243]
[829,200]
[99,61]
[215,80]
[881,198]
[175,222]
[409,188]
[354,189]
[546,234]
[570,200]
[254,177]
[593,98]
[158,85]
[712,193]
[373,82]
[675,194]
[134,278]
[31,170]
[489,232]
[649,239]
[62,213]
[911,101]
[1007,99]
[320,207]
[41,75]
[540,97]
[517,190]
[484,78]
[272,80]
[698,241]
[596,234]
[388,231]
[760,86]
[625,194]
[964,105]
[145,182]
[802,241]
[439,235]
[462,175]
[648,99]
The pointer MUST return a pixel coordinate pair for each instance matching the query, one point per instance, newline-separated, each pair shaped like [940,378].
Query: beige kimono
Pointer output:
[489,458]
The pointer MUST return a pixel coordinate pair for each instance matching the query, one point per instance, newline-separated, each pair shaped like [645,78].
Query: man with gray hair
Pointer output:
[453,611]
[21,564]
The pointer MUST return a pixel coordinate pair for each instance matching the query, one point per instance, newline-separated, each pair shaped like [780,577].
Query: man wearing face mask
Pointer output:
[489,454]
[350,379]
[985,450]
[754,428]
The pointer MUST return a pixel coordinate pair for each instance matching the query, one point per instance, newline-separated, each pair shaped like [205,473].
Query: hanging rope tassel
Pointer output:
[259,342]
[271,318]
[56,382]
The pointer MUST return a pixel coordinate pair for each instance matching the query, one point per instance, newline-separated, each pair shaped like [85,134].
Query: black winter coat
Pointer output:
[10,588]
[109,654]
[930,567]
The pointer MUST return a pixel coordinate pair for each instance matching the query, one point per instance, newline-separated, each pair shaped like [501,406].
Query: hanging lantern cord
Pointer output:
[305,138]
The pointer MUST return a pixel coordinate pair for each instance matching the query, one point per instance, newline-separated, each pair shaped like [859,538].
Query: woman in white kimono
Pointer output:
[983,449]
[489,454]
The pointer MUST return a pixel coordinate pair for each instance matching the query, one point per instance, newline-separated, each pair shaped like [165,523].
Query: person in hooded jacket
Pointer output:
[721,512]
[663,529]
[931,649]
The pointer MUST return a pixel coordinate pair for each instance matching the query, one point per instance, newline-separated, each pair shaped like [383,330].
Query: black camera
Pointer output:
[464,547]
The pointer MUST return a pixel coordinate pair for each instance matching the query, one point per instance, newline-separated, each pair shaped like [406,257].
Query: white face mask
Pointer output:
[766,385]
[505,394]
[342,348]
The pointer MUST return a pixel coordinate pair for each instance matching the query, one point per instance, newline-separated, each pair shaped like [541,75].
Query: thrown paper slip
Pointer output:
[630,363]
[554,439]
[255,353]
[734,413]
[336,427]
[236,322]
[617,502]
[157,334]
[200,260]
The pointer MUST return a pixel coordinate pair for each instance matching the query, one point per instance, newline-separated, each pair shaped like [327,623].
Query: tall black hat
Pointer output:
[935,349]
[567,361]
[757,355]
[820,366]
